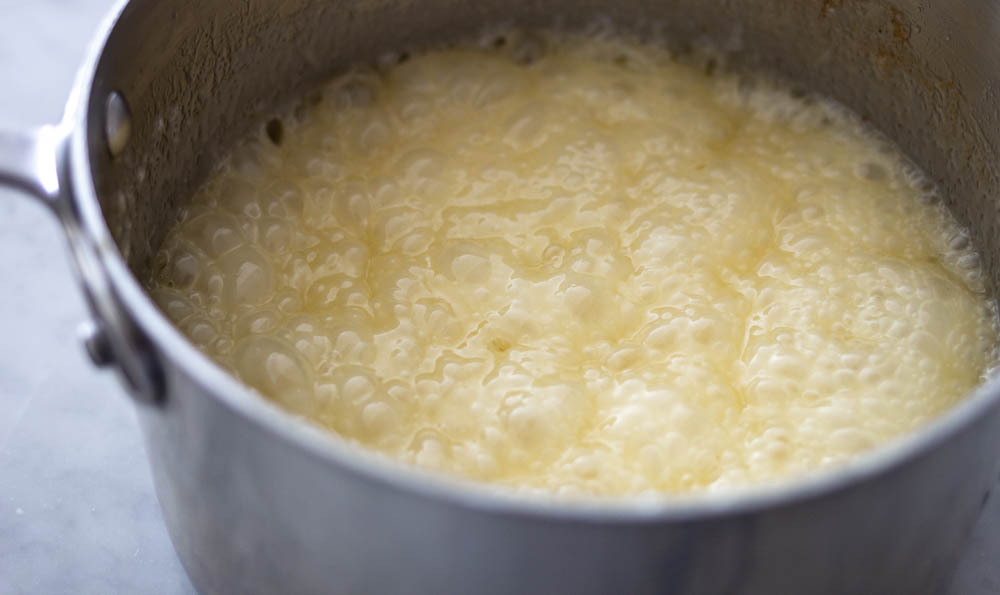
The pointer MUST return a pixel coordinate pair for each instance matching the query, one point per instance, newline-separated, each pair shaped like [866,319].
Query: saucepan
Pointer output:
[258,502]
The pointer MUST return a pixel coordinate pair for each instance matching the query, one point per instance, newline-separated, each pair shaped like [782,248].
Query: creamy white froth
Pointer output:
[605,272]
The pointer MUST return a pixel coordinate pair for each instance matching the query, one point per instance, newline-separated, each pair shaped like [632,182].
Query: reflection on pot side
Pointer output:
[582,267]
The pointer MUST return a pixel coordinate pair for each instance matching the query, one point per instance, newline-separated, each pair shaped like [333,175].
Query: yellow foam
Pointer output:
[604,272]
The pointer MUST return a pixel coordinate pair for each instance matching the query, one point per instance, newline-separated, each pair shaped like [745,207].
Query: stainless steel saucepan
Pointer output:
[257,502]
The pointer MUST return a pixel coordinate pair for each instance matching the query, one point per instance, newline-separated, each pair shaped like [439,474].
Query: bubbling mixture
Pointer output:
[582,266]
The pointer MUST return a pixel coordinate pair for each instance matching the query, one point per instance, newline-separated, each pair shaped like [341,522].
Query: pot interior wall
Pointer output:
[197,74]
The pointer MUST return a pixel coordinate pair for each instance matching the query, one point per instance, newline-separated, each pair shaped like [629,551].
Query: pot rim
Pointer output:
[172,346]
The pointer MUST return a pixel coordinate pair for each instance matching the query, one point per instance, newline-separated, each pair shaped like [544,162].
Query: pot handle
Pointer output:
[30,161]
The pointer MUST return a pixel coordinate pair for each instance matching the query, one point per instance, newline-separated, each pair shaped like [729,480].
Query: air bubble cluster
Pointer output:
[582,266]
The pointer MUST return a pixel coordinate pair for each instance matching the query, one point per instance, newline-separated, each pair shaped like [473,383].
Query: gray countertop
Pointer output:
[77,509]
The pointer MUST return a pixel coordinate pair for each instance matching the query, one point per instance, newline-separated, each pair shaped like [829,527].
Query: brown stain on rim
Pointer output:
[893,45]
[901,28]
[894,55]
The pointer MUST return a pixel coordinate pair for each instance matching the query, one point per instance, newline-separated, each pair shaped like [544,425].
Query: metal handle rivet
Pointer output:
[117,123]
[96,343]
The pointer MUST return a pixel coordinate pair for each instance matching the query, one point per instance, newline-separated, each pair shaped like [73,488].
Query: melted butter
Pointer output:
[604,272]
